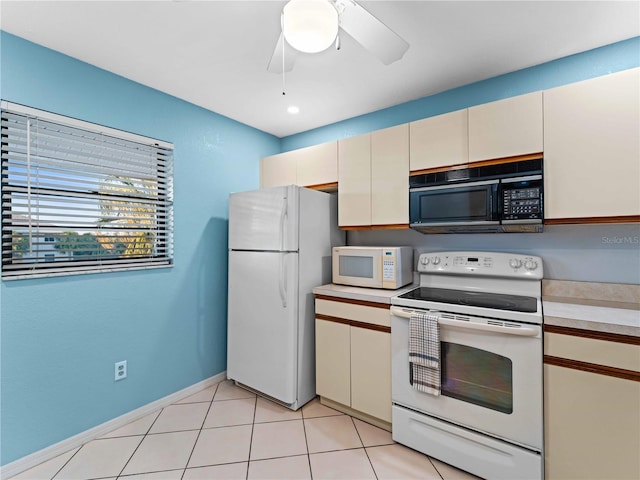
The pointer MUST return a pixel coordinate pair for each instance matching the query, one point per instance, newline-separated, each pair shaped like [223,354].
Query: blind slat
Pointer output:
[76,199]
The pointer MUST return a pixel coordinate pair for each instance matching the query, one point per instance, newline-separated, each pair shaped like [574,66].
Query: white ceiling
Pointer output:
[215,53]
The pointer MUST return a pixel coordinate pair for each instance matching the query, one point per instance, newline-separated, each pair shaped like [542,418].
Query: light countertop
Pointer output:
[612,308]
[376,295]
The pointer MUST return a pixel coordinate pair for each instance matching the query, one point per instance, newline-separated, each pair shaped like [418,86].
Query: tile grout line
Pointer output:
[199,432]
[67,462]
[434,467]
[306,441]
[364,447]
[255,409]
[140,443]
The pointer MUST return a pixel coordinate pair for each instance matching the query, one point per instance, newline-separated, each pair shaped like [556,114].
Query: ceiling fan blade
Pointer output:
[275,64]
[370,32]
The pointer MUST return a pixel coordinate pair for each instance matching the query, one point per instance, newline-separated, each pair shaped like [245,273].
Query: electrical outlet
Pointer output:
[121,370]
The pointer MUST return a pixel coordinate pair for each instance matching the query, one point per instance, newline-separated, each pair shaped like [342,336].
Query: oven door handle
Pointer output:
[520,331]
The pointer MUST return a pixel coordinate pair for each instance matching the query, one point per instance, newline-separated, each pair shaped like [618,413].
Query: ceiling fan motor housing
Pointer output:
[310,26]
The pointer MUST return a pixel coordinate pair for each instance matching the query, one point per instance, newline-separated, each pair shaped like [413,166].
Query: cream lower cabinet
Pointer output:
[592,416]
[373,178]
[315,166]
[353,358]
[592,147]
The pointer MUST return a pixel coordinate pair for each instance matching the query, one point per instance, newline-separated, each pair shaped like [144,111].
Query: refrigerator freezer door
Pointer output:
[262,349]
[264,220]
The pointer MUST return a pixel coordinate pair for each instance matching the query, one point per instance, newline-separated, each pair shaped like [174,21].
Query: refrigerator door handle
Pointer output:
[283,216]
[282,285]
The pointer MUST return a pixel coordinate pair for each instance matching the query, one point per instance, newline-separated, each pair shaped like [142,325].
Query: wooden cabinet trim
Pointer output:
[353,323]
[593,368]
[325,187]
[579,332]
[396,226]
[328,318]
[369,326]
[353,301]
[482,163]
[593,220]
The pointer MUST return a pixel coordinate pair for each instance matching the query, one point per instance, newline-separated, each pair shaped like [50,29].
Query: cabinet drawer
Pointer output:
[352,311]
[599,352]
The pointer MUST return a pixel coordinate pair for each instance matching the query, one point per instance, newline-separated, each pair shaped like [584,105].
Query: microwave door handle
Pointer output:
[520,331]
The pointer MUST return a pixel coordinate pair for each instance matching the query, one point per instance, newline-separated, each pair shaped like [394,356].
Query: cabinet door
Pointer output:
[592,147]
[506,128]
[354,181]
[371,372]
[592,425]
[318,164]
[333,361]
[278,170]
[390,176]
[439,141]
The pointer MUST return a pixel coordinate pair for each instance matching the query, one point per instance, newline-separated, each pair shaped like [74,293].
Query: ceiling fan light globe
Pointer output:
[310,26]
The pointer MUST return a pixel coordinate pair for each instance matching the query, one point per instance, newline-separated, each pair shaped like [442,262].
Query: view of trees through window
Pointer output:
[78,197]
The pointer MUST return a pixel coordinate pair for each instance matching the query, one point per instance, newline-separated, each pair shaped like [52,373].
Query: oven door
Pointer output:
[491,376]
[470,204]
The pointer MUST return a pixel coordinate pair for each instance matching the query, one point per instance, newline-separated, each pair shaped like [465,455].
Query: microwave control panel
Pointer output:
[522,203]
[388,265]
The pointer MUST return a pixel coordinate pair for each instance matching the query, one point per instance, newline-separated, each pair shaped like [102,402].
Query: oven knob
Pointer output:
[530,264]
[424,260]
[515,263]
[435,260]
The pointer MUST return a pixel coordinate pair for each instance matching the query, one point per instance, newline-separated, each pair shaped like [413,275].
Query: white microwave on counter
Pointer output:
[373,267]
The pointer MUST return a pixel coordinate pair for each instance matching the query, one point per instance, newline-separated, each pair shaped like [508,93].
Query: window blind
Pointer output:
[81,198]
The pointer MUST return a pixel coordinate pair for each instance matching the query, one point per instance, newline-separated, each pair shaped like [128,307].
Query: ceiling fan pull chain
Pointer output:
[283,81]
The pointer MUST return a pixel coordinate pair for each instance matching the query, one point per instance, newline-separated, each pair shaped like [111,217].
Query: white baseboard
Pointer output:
[11,469]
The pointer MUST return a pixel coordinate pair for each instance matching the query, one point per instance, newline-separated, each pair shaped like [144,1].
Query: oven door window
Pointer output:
[477,376]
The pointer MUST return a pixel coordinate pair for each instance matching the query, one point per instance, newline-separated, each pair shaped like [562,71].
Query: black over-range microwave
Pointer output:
[506,197]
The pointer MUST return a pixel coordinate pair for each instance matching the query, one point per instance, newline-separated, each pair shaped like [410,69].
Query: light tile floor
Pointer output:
[225,432]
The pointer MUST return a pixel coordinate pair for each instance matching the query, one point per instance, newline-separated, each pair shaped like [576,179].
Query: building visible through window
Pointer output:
[79,197]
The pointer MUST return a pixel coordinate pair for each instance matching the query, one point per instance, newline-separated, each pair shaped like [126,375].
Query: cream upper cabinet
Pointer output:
[318,164]
[390,176]
[592,147]
[439,141]
[312,166]
[506,128]
[373,178]
[354,181]
[278,170]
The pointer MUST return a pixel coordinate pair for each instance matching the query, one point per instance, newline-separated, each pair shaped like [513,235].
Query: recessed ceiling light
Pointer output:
[293,109]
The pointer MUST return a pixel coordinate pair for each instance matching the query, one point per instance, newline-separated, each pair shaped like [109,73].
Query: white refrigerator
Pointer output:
[280,243]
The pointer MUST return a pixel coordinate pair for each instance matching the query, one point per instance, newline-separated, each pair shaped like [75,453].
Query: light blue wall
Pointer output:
[596,253]
[60,337]
[593,63]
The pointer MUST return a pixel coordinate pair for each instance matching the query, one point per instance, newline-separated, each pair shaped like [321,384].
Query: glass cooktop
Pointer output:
[498,301]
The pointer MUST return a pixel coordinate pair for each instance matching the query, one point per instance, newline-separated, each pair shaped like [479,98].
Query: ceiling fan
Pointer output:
[311,26]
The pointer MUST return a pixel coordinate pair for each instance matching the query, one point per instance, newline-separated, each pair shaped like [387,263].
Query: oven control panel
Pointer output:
[490,264]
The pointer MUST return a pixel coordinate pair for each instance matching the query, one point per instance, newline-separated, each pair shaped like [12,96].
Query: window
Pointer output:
[81,198]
